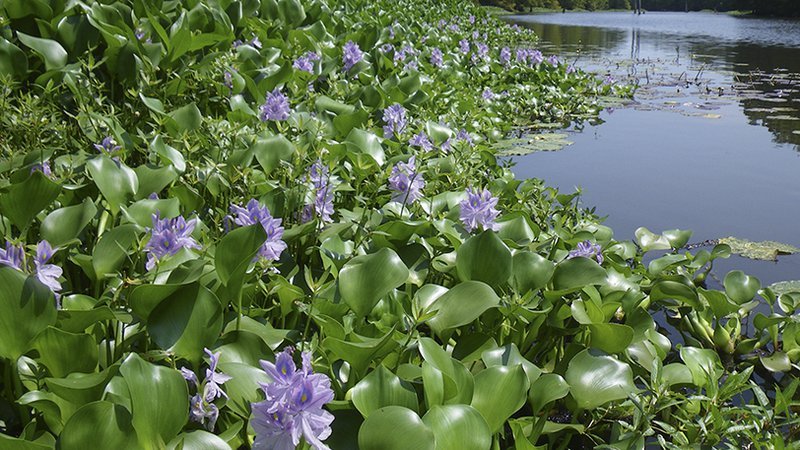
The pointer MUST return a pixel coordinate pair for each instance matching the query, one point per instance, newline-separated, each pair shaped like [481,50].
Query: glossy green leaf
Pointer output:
[186,118]
[12,59]
[168,153]
[500,391]
[53,54]
[82,388]
[675,291]
[113,248]
[740,287]
[153,180]
[64,353]
[677,238]
[458,427]
[610,337]
[235,252]
[271,151]
[159,400]
[704,364]
[365,279]
[596,378]
[142,211]
[116,181]
[291,11]
[383,388]
[648,240]
[97,422]
[360,351]
[575,273]
[546,389]
[198,439]
[21,202]
[65,224]
[776,362]
[509,355]
[361,141]
[461,305]
[531,271]
[244,388]
[27,308]
[395,428]
[484,257]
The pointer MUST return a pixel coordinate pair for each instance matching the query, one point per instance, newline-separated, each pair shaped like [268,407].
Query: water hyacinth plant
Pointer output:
[483,311]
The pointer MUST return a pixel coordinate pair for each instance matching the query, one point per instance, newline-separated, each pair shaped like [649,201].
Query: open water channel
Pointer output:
[711,142]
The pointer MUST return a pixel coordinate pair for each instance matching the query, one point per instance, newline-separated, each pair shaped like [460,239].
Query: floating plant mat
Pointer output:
[785,287]
[764,250]
[548,142]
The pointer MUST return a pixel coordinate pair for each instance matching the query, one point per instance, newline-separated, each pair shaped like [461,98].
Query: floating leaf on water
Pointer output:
[548,142]
[782,117]
[764,250]
[711,116]
[785,287]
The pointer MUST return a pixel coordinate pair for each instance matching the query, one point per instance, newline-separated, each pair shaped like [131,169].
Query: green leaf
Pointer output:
[82,388]
[271,151]
[113,248]
[596,379]
[64,353]
[677,238]
[458,427]
[292,12]
[500,391]
[648,240]
[610,337]
[184,322]
[235,252]
[198,439]
[27,308]
[360,141]
[675,290]
[383,388]
[531,271]
[484,257]
[153,179]
[97,422]
[360,351]
[186,118]
[461,305]
[704,364]
[573,274]
[170,154]
[12,59]
[244,388]
[142,211]
[546,389]
[509,355]
[740,287]
[21,202]
[65,224]
[764,250]
[395,428]
[53,54]
[365,279]
[777,362]
[159,400]
[116,181]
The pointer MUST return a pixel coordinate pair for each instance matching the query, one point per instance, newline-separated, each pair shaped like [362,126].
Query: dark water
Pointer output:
[711,142]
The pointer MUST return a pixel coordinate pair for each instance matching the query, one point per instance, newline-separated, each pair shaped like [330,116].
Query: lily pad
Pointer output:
[547,142]
[763,250]
[785,287]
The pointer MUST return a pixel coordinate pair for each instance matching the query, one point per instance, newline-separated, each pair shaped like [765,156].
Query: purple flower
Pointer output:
[323,195]
[487,94]
[505,55]
[255,42]
[553,60]
[276,107]
[394,117]
[43,167]
[108,145]
[463,135]
[475,34]
[214,379]
[306,62]
[535,57]
[447,145]
[386,48]
[391,31]
[478,210]
[202,411]
[464,45]
[437,58]
[255,213]
[292,408]
[12,256]
[228,80]
[453,27]
[522,54]
[190,376]
[442,23]
[167,237]
[139,33]
[352,55]
[406,183]
[482,50]
[570,69]
[609,80]
[411,65]
[472,19]
[422,141]
[47,274]
[587,249]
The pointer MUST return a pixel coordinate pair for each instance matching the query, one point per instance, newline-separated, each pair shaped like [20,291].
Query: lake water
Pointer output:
[711,142]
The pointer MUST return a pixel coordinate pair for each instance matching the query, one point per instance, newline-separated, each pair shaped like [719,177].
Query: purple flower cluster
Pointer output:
[394,117]
[464,136]
[306,62]
[276,107]
[47,274]
[478,210]
[422,141]
[532,57]
[253,213]
[322,190]
[587,249]
[167,237]
[43,167]
[406,182]
[293,406]
[437,58]
[505,55]
[351,55]
[553,60]
[482,50]
[202,408]
[464,46]
[487,94]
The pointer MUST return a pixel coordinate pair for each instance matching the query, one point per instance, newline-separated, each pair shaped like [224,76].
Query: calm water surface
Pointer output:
[711,142]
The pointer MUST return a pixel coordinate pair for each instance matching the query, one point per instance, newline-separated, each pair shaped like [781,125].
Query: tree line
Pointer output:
[758,7]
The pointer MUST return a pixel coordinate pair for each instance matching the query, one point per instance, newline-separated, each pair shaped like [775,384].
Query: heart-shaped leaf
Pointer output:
[484,257]
[383,388]
[395,428]
[365,279]
[596,378]
[740,287]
